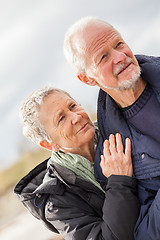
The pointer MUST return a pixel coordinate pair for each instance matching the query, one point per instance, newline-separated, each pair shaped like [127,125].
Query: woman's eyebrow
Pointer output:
[57,115]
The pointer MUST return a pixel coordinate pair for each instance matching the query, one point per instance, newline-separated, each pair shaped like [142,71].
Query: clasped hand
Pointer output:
[115,159]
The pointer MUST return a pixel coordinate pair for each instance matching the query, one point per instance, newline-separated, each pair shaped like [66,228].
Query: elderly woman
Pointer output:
[62,191]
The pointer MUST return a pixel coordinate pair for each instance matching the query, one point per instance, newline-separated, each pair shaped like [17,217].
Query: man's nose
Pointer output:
[118,56]
[75,118]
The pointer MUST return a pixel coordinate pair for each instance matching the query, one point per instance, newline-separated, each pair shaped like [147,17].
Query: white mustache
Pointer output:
[121,66]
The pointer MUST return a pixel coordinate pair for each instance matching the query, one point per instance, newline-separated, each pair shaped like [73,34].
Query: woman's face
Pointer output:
[65,121]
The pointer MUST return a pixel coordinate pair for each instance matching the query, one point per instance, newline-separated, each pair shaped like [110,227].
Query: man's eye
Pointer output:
[103,58]
[118,44]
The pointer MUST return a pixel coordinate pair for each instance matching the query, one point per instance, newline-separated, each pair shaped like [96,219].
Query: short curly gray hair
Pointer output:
[74,48]
[31,126]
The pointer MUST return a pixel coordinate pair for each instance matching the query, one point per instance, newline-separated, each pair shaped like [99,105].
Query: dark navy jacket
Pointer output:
[145,151]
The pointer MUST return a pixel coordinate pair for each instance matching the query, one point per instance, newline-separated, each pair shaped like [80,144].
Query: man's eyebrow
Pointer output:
[98,56]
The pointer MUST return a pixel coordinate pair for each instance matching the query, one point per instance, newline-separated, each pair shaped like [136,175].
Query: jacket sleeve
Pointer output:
[75,219]
[148,224]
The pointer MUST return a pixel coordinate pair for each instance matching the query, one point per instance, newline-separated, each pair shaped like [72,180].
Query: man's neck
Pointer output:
[127,97]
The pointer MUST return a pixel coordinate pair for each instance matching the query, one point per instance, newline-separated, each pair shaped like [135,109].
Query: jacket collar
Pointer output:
[150,69]
[50,179]
[69,178]
[108,111]
[33,182]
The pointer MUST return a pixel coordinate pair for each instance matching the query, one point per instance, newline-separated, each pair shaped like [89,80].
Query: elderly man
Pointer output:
[128,103]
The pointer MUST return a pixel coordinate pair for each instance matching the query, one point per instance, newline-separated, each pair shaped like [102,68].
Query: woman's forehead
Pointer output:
[56,102]
[56,96]
[53,105]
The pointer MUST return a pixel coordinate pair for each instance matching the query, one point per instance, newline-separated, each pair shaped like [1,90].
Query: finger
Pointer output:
[106,150]
[102,163]
[112,144]
[119,143]
[128,147]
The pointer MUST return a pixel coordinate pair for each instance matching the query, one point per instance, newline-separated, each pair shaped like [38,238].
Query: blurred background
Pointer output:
[31,56]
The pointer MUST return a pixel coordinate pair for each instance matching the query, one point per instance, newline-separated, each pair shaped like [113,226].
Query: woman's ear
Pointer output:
[86,80]
[55,148]
[46,145]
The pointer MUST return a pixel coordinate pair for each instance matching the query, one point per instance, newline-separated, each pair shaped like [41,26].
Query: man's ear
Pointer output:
[46,145]
[86,80]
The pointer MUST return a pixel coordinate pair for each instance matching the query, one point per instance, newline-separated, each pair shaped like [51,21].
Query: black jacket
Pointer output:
[76,208]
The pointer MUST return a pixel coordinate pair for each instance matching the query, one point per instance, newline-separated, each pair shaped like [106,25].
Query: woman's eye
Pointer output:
[61,118]
[103,57]
[73,105]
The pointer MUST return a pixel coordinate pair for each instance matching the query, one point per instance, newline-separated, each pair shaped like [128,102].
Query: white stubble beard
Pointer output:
[126,84]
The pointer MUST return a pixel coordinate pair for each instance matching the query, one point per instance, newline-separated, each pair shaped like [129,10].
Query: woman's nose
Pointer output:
[75,118]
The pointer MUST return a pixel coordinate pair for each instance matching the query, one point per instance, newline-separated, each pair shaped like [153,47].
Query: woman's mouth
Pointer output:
[83,127]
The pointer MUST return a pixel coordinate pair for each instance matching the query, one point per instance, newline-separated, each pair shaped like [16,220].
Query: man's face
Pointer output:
[65,121]
[109,59]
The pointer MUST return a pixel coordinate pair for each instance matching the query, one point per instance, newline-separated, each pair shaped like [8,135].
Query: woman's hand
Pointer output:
[114,159]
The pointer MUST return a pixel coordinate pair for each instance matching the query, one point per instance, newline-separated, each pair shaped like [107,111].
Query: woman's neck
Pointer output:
[88,150]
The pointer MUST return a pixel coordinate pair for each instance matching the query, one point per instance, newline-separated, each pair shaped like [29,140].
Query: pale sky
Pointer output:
[31,54]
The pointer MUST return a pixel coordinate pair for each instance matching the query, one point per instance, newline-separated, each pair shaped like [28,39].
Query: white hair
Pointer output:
[31,126]
[74,47]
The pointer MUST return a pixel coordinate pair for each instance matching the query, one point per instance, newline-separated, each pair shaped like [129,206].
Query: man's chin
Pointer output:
[131,83]
[125,85]
[122,86]
[128,84]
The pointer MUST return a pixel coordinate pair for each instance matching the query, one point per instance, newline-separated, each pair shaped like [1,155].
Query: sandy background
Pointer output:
[16,223]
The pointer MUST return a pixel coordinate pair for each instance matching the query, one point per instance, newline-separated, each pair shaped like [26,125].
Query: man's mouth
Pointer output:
[124,68]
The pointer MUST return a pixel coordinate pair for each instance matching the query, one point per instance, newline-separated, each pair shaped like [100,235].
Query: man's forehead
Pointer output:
[95,29]
[97,34]
[97,38]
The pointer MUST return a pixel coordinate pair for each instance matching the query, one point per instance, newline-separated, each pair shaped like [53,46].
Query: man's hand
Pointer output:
[114,159]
